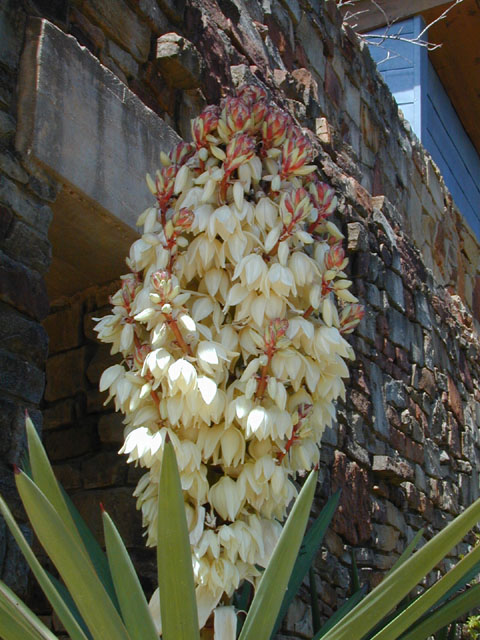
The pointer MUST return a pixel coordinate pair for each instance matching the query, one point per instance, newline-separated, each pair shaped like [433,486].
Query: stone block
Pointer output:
[64,328]
[124,60]
[72,442]
[26,208]
[20,335]
[12,431]
[68,476]
[432,459]
[380,424]
[385,537]
[110,428]
[101,360]
[154,16]
[23,243]
[396,471]
[394,289]
[65,374]
[12,23]
[455,401]
[8,125]
[352,518]
[400,328]
[120,505]
[21,378]
[89,134]
[10,166]
[311,43]
[59,414]
[395,393]
[104,469]
[122,24]
[357,236]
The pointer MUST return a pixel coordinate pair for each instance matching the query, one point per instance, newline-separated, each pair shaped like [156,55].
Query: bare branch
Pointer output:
[379,39]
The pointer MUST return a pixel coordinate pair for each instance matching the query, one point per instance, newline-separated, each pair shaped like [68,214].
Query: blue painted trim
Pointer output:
[424,102]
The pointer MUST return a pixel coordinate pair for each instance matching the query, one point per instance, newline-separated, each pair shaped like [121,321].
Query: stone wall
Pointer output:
[406,447]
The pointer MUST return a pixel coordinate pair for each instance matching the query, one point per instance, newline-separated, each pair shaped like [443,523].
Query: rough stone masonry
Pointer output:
[406,446]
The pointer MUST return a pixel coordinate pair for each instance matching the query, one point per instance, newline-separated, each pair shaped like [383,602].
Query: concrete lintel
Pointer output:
[89,131]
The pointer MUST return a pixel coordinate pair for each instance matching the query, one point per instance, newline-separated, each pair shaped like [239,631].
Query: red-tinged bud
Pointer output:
[323,197]
[183,219]
[239,150]
[236,115]
[182,153]
[251,94]
[140,354]
[102,508]
[276,329]
[161,280]
[16,469]
[165,185]
[129,289]
[275,127]
[296,152]
[304,409]
[335,258]
[204,124]
[350,317]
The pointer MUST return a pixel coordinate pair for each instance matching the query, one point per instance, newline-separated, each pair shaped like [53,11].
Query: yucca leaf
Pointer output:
[69,603]
[308,550]
[428,599]
[17,621]
[266,604]
[42,474]
[241,600]
[94,550]
[447,614]
[178,606]
[397,584]
[342,612]
[44,478]
[72,562]
[48,588]
[133,605]
[314,601]
[355,575]
[407,552]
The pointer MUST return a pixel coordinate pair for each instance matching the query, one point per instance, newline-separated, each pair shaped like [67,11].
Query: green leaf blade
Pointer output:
[17,621]
[178,605]
[308,550]
[133,605]
[400,582]
[72,563]
[263,612]
[447,614]
[68,620]
[428,599]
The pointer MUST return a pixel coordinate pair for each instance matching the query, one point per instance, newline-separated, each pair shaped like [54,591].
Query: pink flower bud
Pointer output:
[351,316]
[239,150]
[180,154]
[204,124]
[251,94]
[335,258]
[275,127]
[184,218]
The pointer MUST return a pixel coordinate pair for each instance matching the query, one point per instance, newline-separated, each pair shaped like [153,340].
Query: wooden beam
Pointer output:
[365,15]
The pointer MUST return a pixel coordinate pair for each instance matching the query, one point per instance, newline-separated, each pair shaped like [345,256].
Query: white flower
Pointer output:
[230,335]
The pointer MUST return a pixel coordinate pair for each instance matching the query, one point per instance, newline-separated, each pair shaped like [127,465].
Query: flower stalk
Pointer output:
[231,327]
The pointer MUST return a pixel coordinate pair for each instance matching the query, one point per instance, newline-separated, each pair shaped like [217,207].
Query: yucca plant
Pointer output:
[108,600]
[104,598]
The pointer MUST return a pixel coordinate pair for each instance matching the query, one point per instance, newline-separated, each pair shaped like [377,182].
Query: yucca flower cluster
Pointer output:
[231,324]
